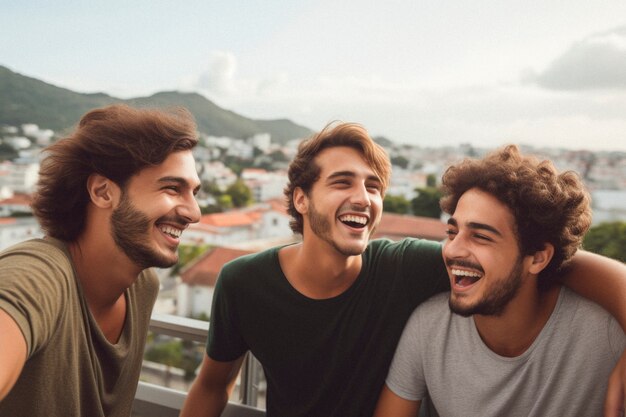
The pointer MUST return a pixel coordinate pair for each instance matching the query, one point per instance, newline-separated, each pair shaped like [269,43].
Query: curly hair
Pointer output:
[548,206]
[116,142]
[304,172]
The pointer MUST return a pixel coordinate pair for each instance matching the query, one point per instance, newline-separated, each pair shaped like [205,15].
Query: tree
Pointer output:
[608,239]
[400,161]
[431,180]
[396,204]
[169,354]
[240,193]
[426,203]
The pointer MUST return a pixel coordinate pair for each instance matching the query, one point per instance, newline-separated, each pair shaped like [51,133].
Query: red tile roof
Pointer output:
[231,218]
[205,270]
[397,226]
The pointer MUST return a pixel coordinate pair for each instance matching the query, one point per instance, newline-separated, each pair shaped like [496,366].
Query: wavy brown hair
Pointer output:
[548,206]
[303,171]
[116,142]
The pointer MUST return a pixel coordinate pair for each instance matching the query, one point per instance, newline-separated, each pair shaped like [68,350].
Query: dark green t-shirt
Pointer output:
[323,357]
[71,369]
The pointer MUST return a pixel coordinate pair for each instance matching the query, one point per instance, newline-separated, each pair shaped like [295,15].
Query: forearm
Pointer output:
[214,384]
[204,402]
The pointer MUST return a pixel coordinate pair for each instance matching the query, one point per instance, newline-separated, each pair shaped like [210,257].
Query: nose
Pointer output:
[360,196]
[455,248]
[189,209]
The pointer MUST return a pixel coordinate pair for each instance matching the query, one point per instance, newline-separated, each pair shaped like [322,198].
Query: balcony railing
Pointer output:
[154,400]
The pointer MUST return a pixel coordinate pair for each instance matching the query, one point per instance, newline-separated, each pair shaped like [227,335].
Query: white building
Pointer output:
[20,175]
[264,185]
[261,221]
[15,230]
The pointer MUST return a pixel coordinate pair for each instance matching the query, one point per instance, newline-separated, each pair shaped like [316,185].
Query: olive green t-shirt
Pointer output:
[71,369]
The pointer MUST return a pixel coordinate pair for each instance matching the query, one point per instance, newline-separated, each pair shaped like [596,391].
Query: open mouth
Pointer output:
[354,221]
[170,231]
[464,278]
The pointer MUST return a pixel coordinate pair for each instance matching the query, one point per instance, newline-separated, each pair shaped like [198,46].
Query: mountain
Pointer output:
[28,100]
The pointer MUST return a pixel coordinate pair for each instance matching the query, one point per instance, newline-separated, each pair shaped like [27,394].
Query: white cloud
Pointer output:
[219,77]
[595,63]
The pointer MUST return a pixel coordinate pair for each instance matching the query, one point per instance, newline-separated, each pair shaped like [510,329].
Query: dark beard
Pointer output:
[494,303]
[130,229]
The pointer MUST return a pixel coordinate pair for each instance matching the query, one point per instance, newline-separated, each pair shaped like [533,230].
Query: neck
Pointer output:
[513,332]
[103,275]
[319,273]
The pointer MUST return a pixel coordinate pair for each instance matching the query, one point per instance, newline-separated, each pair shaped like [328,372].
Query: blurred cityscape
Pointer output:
[243,212]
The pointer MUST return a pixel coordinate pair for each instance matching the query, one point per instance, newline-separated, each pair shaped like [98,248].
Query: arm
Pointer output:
[391,405]
[600,279]
[603,281]
[12,353]
[209,393]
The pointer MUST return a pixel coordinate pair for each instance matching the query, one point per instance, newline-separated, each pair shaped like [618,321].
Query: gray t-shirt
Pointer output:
[563,373]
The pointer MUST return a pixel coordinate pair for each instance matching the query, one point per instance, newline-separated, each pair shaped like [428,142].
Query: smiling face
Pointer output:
[482,255]
[344,205]
[154,209]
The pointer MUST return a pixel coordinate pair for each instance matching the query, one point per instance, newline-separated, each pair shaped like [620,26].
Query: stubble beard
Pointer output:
[322,229]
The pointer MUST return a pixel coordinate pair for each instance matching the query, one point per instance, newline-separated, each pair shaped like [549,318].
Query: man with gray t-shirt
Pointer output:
[507,340]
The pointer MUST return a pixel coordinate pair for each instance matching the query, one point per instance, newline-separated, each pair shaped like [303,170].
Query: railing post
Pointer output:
[249,389]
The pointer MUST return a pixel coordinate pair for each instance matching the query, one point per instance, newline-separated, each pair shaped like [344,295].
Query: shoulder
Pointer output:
[573,303]
[407,247]
[407,255]
[248,266]
[252,261]
[403,245]
[434,308]
[47,249]
[37,259]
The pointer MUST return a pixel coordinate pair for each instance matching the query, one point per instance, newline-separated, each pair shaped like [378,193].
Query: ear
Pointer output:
[541,259]
[300,200]
[102,191]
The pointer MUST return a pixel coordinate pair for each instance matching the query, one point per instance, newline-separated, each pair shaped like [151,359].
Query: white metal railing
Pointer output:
[168,400]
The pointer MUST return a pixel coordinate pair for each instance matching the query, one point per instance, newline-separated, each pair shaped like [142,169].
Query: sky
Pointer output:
[428,73]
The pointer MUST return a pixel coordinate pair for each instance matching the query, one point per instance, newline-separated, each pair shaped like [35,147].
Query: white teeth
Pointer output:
[353,219]
[461,273]
[172,231]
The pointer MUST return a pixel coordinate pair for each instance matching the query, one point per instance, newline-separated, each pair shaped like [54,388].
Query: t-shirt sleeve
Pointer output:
[426,271]
[32,287]
[225,342]
[406,373]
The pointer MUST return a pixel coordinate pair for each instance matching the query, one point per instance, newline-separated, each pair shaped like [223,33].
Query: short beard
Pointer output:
[130,229]
[493,303]
[321,227]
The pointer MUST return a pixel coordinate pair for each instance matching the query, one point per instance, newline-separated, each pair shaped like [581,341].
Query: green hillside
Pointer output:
[28,100]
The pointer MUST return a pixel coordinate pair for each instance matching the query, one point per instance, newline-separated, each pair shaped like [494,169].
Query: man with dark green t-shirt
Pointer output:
[324,316]
[113,199]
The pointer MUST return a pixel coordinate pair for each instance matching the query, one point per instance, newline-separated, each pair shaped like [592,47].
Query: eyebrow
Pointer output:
[180,181]
[351,174]
[476,226]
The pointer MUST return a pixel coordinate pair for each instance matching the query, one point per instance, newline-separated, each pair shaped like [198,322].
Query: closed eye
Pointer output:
[483,237]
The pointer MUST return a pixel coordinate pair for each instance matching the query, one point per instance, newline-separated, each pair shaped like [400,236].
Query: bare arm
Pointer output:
[390,405]
[603,280]
[600,279]
[209,393]
[12,353]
